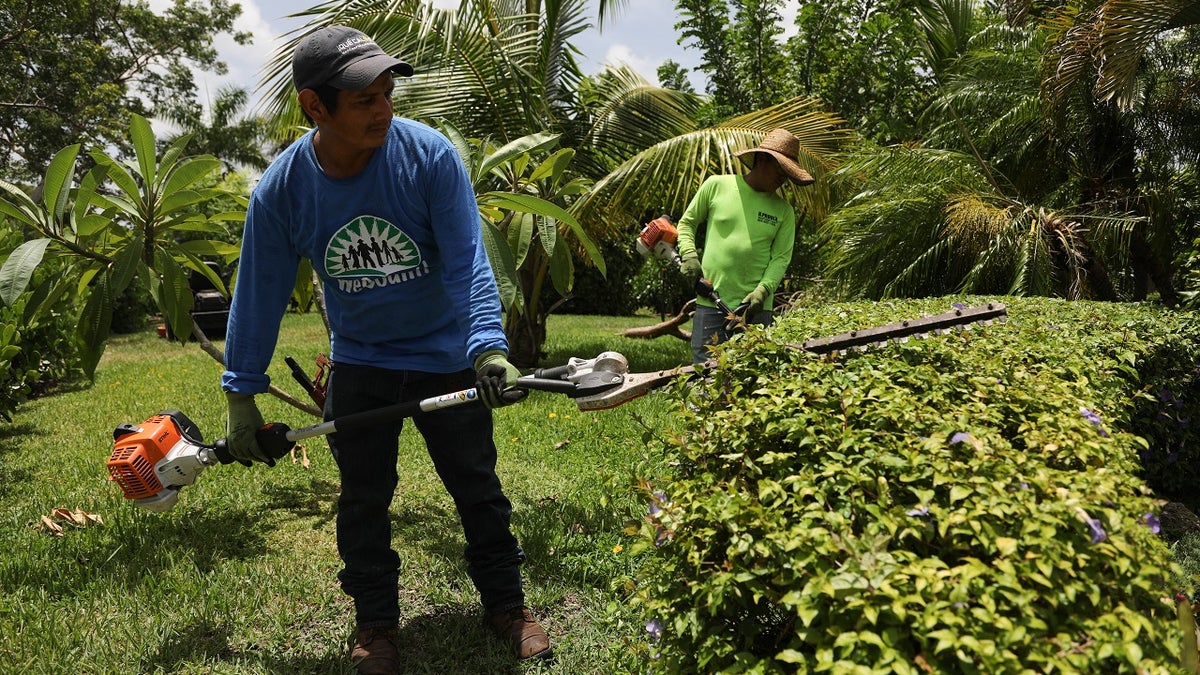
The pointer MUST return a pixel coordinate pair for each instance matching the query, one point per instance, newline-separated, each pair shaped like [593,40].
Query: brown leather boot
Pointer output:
[518,627]
[375,651]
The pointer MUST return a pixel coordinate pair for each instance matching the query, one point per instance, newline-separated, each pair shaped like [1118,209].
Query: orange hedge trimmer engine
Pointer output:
[153,460]
[658,238]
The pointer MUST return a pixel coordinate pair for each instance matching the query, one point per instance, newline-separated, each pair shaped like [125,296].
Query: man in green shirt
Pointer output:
[750,231]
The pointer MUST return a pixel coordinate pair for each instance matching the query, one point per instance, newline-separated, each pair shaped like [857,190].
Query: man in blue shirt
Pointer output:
[384,209]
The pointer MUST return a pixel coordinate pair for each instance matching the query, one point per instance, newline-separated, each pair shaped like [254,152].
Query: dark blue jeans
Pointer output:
[708,328]
[459,441]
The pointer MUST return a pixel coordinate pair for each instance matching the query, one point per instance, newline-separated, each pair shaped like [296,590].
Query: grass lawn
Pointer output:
[240,576]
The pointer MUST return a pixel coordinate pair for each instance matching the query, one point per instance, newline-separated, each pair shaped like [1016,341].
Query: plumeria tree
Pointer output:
[118,222]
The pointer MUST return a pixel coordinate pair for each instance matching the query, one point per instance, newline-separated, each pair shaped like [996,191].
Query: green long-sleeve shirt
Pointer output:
[749,237]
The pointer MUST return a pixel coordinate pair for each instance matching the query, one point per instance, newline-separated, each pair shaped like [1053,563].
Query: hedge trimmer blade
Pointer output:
[634,385]
[960,317]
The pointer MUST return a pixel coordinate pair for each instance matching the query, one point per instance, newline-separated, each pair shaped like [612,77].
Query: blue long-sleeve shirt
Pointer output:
[407,282]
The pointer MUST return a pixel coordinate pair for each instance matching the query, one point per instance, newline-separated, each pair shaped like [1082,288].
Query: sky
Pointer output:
[642,36]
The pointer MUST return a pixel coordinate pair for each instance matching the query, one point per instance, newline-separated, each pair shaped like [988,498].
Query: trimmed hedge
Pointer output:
[967,503]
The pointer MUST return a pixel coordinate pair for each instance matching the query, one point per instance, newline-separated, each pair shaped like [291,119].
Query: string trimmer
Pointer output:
[152,461]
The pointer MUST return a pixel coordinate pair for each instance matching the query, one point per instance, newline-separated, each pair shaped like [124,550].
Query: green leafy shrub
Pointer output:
[968,503]
[37,351]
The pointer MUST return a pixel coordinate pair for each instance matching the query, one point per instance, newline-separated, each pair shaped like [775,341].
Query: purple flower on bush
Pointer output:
[654,628]
[1097,529]
[1152,522]
[658,499]
[958,305]
[918,512]
[1094,419]
[960,437]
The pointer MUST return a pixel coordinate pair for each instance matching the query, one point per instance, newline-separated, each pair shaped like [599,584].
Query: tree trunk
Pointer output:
[526,336]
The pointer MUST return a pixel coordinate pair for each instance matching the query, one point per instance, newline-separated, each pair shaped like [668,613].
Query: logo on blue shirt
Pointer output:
[370,252]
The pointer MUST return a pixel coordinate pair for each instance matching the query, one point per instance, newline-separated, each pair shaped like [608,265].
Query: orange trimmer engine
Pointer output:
[153,460]
[658,238]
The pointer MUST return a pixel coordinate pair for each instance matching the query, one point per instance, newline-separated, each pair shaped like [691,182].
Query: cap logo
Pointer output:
[353,42]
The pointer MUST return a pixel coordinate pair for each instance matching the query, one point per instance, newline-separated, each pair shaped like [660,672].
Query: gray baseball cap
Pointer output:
[342,57]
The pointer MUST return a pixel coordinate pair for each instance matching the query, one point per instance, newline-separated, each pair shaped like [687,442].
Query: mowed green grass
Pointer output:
[240,576]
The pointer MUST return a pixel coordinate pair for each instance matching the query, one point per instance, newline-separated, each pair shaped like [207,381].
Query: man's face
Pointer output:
[772,173]
[362,118]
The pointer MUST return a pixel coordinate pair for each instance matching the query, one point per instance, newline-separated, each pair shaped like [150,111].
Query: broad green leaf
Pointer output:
[131,198]
[525,144]
[56,188]
[94,323]
[46,296]
[173,294]
[174,201]
[562,268]
[548,235]
[188,172]
[86,193]
[125,265]
[142,135]
[169,159]
[15,204]
[92,224]
[19,268]
[228,216]
[503,266]
[529,204]
[520,237]
[208,248]
[554,166]
[302,292]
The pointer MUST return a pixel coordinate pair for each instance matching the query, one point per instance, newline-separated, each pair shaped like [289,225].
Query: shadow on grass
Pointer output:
[11,478]
[201,643]
[134,549]
[316,501]
[567,542]
[450,641]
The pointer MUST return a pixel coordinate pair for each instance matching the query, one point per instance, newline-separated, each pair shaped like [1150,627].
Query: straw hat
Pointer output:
[785,148]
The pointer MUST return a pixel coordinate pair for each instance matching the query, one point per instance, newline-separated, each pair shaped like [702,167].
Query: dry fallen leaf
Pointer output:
[303,455]
[562,444]
[77,518]
[49,526]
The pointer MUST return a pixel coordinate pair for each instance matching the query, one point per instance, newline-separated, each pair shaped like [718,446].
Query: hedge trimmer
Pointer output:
[657,240]
[154,460]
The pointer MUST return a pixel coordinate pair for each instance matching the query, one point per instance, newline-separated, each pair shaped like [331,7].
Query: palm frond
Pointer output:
[1128,28]
[673,169]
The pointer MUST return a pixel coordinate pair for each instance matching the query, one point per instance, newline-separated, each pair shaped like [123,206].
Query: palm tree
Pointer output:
[1099,68]
[1007,194]
[224,132]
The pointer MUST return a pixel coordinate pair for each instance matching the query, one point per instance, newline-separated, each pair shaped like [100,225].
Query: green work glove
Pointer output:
[244,422]
[493,377]
[754,301]
[690,268]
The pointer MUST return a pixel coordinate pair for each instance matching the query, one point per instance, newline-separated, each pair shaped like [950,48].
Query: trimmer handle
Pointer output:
[705,288]
[271,437]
